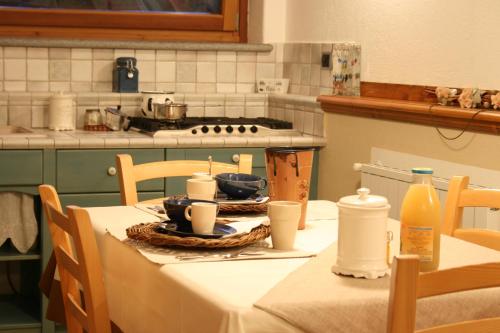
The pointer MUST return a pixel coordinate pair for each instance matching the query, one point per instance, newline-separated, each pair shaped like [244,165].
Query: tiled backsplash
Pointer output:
[90,70]
[212,83]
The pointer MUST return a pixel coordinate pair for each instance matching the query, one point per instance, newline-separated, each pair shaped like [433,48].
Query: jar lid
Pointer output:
[422,171]
[364,200]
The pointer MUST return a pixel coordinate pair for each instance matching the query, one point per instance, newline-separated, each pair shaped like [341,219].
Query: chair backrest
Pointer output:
[129,174]
[407,285]
[460,196]
[80,267]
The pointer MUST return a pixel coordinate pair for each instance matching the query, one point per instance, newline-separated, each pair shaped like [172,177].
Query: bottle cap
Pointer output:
[422,171]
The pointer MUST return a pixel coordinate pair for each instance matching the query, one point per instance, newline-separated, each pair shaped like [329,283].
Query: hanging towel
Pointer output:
[17,220]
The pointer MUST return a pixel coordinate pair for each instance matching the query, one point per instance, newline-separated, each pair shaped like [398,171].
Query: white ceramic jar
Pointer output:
[62,112]
[151,97]
[362,237]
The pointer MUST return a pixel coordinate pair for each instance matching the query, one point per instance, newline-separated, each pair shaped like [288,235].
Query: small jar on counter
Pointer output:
[93,120]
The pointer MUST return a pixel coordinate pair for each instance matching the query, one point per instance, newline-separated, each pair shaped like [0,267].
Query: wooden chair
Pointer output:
[129,174]
[80,270]
[407,285]
[459,196]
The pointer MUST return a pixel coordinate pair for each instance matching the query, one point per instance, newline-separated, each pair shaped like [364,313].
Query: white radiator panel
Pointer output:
[393,184]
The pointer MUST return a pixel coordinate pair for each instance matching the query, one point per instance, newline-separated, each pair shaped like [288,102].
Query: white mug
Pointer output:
[201,189]
[201,175]
[284,217]
[202,216]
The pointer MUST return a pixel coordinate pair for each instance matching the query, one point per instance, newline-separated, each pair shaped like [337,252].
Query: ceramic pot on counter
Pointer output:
[362,236]
[62,110]
[149,98]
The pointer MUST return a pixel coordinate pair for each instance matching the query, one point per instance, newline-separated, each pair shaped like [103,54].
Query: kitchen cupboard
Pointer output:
[85,177]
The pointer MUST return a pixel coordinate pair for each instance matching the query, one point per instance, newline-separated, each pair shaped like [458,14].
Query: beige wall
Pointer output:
[350,140]
[432,42]
[267,21]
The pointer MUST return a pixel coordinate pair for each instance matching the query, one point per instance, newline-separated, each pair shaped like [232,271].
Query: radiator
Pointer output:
[392,182]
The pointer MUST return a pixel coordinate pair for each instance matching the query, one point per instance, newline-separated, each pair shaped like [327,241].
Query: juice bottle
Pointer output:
[420,220]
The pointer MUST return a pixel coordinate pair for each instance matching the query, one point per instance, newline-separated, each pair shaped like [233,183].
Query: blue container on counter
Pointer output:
[126,75]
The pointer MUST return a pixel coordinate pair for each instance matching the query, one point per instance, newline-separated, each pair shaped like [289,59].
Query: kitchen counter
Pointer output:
[79,139]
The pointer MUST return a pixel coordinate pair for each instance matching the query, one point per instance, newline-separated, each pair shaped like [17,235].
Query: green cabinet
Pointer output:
[20,303]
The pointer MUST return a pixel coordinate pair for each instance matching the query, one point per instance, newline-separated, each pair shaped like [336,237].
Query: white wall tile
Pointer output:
[81,54]
[124,53]
[81,70]
[103,54]
[20,115]
[14,85]
[246,56]
[226,56]
[4,115]
[15,69]
[265,70]
[14,52]
[147,71]
[245,72]
[148,55]
[59,53]
[245,88]
[185,87]
[57,86]
[165,55]
[37,86]
[226,88]
[165,71]
[186,72]
[38,69]
[59,70]
[206,72]
[186,56]
[38,53]
[102,70]
[226,72]
[206,88]
[206,56]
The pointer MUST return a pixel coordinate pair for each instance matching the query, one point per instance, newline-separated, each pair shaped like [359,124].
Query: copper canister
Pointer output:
[289,175]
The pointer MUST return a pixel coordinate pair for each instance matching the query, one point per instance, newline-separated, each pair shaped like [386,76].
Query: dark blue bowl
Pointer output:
[240,185]
[175,208]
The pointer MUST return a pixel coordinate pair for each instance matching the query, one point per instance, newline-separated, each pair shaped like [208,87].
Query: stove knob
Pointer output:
[204,129]
[217,129]
[254,129]
[194,131]
[229,129]
[241,129]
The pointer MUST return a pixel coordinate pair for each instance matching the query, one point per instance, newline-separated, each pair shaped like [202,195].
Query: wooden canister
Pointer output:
[289,175]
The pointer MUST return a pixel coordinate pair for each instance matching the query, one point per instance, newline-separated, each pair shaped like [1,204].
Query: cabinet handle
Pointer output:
[111,171]
[236,158]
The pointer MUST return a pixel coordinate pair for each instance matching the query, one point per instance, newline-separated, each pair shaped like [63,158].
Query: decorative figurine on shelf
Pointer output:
[469,98]
[445,95]
[495,101]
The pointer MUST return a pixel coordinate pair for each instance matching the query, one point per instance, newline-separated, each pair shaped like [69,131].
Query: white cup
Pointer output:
[201,189]
[284,217]
[201,175]
[202,216]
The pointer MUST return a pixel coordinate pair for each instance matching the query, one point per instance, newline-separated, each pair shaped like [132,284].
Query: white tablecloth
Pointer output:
[196,297]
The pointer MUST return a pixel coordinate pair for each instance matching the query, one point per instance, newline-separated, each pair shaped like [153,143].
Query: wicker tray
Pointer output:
[145,232]
[257,208]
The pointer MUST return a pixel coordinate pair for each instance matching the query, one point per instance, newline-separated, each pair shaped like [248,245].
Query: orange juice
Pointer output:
[420,220]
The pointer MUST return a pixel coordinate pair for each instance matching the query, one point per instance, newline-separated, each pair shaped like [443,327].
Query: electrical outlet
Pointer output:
[326,61]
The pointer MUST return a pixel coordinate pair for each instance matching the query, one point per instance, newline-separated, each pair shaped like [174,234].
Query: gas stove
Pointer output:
[213,126]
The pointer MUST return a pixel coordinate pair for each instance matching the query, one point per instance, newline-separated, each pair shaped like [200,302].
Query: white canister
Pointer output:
[61,112]
[362,236]
[151,97]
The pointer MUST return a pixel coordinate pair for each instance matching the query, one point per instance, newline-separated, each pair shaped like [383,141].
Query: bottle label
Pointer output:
[417,240]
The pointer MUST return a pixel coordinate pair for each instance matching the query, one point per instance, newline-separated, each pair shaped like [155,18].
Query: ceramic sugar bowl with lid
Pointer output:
[362,235]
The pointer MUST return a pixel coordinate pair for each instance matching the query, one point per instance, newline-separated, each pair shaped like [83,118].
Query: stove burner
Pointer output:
[153,125]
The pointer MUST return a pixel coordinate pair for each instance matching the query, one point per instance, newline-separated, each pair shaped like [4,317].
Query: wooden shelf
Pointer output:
[424,113]
[9,253]
[17,312]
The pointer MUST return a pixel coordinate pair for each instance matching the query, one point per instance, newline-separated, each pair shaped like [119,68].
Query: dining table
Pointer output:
[152,289]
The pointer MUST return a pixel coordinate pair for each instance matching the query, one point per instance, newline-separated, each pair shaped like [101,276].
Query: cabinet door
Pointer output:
[21,167]
[88,171]
[177,185]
